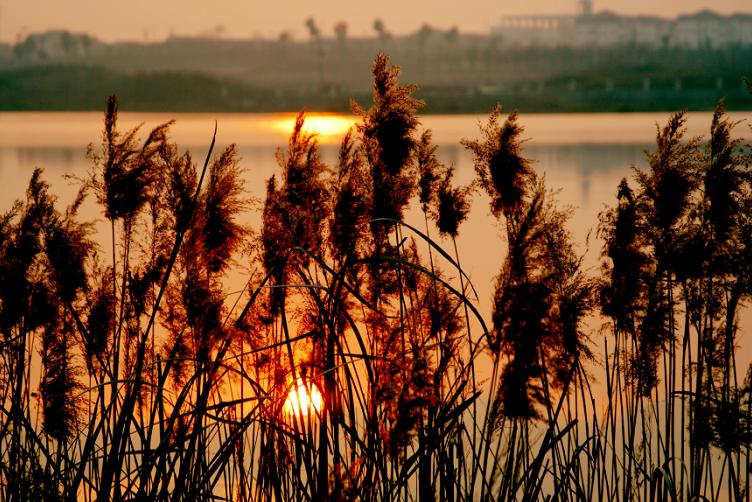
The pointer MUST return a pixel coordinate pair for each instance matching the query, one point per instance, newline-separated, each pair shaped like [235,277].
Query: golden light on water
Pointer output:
[303,399]
[327,126]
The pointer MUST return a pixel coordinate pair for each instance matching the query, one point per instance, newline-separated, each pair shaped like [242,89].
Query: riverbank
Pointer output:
[80,88]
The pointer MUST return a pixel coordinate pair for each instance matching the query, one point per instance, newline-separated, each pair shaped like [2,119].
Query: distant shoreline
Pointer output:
[83,88]
[454,72]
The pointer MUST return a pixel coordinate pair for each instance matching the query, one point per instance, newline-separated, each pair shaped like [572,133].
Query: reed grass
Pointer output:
[140,376]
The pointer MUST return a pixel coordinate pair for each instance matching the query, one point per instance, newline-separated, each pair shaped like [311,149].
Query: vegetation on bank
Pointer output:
[141,376]
[79,87]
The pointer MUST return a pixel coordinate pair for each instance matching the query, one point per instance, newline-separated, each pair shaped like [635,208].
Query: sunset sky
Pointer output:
[157,19]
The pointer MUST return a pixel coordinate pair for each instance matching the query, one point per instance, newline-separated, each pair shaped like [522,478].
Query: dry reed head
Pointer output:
[124,171]
[428,170]
[222,202]
[503,172]
[101,318]
[295,213]
[452,205]
[387,132]
[349,200]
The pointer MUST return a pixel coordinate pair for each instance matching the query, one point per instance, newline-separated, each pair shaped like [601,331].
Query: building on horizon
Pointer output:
[703,29]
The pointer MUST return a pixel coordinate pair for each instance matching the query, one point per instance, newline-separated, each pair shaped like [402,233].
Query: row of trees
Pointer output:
[140,376]
[340,30]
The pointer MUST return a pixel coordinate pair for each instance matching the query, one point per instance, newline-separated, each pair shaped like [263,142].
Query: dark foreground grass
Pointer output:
[139,376]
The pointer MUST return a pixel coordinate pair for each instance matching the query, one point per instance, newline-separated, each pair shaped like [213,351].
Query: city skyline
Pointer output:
[141,20]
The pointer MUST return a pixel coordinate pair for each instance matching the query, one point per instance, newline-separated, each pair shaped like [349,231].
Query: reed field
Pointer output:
[356,363]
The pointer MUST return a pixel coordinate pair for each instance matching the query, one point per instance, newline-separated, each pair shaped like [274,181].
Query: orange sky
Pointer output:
[157,19]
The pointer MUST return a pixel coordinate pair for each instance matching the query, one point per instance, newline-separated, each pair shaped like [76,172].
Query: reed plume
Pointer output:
[502,170]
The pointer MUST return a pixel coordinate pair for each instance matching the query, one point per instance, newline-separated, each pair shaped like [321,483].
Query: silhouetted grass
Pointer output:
[140,376]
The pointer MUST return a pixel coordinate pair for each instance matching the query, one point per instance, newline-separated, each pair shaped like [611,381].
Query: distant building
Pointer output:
[709,29]
[53,46]
[535,30]
[603,29]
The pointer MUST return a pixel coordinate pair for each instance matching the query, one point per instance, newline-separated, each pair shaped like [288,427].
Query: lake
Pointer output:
[583,157]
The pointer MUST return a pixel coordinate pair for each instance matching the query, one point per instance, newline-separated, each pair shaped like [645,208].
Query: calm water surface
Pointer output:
[583,156]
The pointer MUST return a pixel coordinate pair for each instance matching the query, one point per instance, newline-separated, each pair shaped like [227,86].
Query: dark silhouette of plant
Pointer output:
[59,386]
[676,241]
[67,248]
[452,205]
[541,300]
[386,131]
[222,203]
[42,279]
[125,172]
[725,174]
[214,237]
[101,317]
[295,212]
[389,149]
[446,204]
[502,171]
[386,134]
[122,179]
[428,170]
[623,292]
[541,296]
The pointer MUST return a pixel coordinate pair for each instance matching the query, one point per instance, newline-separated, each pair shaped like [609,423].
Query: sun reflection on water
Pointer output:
[329,127]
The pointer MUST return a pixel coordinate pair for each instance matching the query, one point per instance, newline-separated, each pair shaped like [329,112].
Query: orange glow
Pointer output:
[303,399]
[328,127]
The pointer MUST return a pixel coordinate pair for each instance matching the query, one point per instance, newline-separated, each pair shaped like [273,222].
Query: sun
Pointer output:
[303,399]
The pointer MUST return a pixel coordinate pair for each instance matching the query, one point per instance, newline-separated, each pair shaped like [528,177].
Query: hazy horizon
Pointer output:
[142,20]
